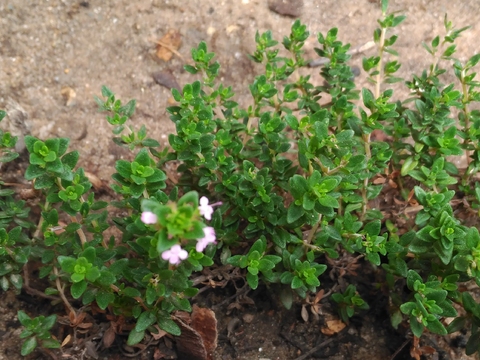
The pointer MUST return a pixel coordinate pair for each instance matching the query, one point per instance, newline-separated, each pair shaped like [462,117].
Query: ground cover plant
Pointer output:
[282,190]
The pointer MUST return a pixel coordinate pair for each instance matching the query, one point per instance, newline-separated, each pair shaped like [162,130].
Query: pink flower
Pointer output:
[149,218]
[205,209]
[208,239]
[175,255]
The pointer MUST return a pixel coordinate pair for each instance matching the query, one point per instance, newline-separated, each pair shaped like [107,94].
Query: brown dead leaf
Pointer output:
[319,296]
[94,180]
[392,183]
[157,336]
[85,325]
[66,340]
[109,337]
[379,180]
[333,327]
[168,45]
[304,313]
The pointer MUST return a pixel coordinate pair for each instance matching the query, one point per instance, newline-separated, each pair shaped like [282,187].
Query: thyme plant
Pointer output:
[281,189]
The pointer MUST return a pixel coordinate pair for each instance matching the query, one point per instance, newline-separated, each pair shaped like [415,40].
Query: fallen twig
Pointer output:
[316,348]
[400,349]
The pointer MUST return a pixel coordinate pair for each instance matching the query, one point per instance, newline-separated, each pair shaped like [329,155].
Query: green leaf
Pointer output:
[49,322]
[28,346]
[252,280]
[374,258]
[143,158]
[124,168]
[373,228]
[104,298]
[472,344]
[131,292]
[67,263]
[50,344]
[296,282]
[384,6]
[398,19]
[71,159]
[150,143]
[24,319]
[469,304]
[169,326]
[33,171]
[436,327]
[92,274]
[294,213]
[78,289]
[106,278]
[457,324]
[128,109]
[135,337]
[258,246]
[328,201]
[412,276]
[146,319]
[417,328]
[298,186]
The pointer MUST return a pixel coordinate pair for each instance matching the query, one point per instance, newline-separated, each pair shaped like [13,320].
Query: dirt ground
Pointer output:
[56,54]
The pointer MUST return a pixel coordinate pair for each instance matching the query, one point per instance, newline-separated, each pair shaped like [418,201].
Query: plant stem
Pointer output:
[466,129]
[381,48]
[32,291]
[313,230]
[80,233]
[60,289]
[367,137]
[36,234]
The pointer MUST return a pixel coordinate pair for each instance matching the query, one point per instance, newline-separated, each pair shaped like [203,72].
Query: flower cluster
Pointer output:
[176,254]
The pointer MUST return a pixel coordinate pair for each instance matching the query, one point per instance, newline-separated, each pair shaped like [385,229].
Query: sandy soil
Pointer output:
[56,54]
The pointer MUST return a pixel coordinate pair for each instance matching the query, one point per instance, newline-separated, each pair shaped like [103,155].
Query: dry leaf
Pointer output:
[304,313]
[85,325]
[168,45]
[109,337]
[392,183]
[66,340]
[333,327]
[157,336]
[94,180]
[319,296]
